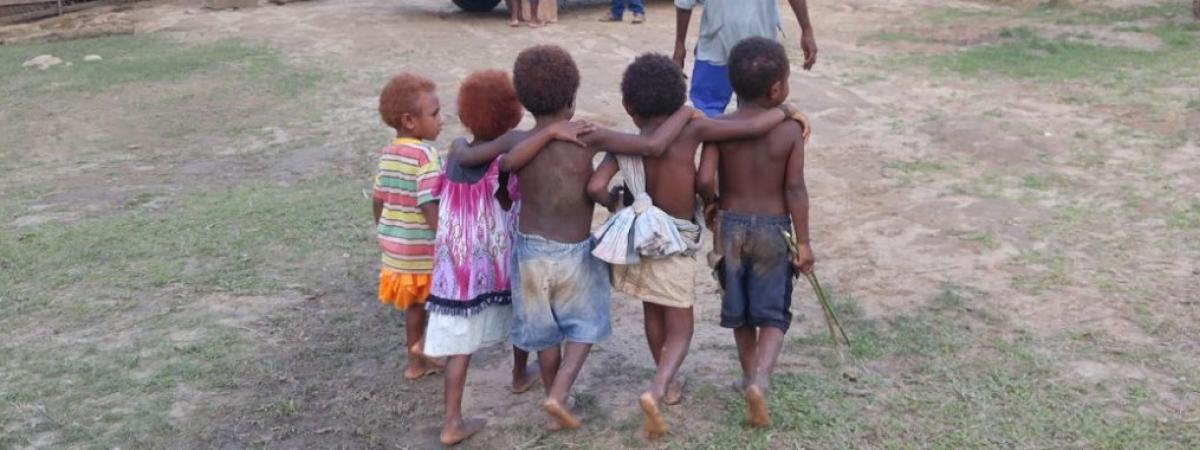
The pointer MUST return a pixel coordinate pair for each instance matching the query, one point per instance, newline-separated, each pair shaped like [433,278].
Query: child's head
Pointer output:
[758,71]
[653,86]
[546,79]
[487,104]
[409,103]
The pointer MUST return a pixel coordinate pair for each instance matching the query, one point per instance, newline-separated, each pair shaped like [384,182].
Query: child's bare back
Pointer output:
[753,172]
[554,188]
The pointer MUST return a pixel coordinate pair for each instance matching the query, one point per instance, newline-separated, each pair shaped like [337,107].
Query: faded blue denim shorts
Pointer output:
[559,292]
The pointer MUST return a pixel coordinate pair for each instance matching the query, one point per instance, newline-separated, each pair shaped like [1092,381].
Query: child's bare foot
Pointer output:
[756,408]
[674,392]
[653,426]
[455,433]
[421,367]
[561,414]
[525,380]
[536,23]
[514,23]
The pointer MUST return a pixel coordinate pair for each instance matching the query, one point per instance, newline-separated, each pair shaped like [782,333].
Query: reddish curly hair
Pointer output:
[400,96]
[546,79]
[487,104]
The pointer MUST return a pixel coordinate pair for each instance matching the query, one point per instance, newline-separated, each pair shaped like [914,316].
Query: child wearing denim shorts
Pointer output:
[762,195]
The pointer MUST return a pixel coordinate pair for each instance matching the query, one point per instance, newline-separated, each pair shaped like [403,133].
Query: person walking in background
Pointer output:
[723,24]
[618,10]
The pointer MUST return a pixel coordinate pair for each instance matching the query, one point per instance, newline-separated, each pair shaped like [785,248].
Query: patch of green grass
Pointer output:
[951,14]
[1065,15]
[892,36]
[946,386]
[245,240]
[143,58]
[102,398]
[985,238]
[1049,269]
[1185,218]
[1030,56]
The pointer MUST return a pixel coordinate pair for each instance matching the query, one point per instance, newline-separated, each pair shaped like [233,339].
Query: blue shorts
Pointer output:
[755,271]
[711,90]
[559,292]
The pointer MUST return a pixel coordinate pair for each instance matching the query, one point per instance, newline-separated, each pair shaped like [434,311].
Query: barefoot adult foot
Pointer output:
[561,414]
[653,426]
[526,380]
[675,392]
[453,434]
[756,408]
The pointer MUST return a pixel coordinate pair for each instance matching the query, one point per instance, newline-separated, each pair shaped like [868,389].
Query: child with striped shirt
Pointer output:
[406,211]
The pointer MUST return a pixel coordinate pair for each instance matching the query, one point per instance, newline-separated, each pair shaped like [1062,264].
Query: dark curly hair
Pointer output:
[754,65]
[653,86]
[400,97]
[546,79]
[487,104]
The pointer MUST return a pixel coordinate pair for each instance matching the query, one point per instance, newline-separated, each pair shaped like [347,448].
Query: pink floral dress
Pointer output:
[470,301]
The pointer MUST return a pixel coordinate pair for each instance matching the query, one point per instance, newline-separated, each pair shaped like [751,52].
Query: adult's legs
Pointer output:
[618,9]
[635,6]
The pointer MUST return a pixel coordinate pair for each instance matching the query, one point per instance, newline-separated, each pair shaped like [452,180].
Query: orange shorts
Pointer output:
[401,289]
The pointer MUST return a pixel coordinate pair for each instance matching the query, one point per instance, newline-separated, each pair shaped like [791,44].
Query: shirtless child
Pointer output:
[762,192]
[653,88]
[560,291]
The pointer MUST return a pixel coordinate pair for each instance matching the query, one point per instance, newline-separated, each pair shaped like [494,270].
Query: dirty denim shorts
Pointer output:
[559,292]
[755,272]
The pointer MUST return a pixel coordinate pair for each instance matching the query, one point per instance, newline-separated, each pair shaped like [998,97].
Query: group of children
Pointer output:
[475,257]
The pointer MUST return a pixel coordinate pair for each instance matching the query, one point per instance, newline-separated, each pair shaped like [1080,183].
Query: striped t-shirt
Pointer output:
[408,177]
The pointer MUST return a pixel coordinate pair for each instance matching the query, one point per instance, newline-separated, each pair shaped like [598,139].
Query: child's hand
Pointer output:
[795,114]
[570,131]
[803,260]
[710,215]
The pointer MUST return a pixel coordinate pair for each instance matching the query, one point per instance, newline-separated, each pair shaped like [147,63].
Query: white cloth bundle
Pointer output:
[642,229]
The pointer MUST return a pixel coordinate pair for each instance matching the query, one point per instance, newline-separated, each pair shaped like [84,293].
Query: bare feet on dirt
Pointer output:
[675,392]
[455,433]
[419,364]
[756,408]
[421,367]
[561,414]
[653,427]
[525,380]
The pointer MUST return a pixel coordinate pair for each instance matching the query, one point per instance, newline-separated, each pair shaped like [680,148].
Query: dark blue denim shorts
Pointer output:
[755,271]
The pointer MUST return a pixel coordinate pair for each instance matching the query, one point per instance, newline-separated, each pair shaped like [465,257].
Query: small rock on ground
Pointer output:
[42,62]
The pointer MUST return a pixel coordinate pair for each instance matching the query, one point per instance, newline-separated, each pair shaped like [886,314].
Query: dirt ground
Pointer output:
[1004,203]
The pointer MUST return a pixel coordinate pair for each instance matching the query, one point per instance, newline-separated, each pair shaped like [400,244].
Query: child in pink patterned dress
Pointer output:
[470,303]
